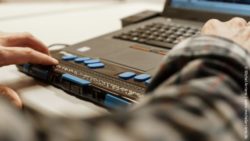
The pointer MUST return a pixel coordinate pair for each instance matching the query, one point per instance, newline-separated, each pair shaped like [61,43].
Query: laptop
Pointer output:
[115,69]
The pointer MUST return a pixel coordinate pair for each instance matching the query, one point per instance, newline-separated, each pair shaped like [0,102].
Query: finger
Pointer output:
[245,33]
[237,22]
[210,26]
[248,24]
[11,95]
[17,55]
[243,38]
[212,22]
[24,40]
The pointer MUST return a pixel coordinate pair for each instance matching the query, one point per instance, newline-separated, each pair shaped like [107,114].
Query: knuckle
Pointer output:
[213,21]
[27,35]
[238,19]
[29,51]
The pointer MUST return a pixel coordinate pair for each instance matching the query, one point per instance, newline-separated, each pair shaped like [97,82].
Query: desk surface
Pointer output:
[61,23]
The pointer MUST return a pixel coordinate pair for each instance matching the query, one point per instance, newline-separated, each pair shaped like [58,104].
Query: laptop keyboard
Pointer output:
[159,34]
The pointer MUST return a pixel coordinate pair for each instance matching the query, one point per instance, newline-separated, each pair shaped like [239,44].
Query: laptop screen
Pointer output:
[238,7]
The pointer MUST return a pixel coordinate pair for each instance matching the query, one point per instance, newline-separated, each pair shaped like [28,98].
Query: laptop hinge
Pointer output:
[139,17]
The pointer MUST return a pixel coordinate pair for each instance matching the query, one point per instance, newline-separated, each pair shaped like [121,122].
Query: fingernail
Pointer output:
[55,61]
[18,103]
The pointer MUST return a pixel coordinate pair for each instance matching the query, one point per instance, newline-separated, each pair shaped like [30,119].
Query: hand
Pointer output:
[11,95]
[236,29]
[20,48]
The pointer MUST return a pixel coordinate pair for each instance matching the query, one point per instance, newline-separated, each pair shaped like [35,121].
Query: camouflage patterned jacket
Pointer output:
[200,93]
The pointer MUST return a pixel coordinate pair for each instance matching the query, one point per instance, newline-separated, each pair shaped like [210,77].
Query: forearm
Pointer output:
[197,95]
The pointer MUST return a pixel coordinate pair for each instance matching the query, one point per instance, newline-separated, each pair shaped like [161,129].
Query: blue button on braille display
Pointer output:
[96,65]
[69,57]
[113,102]
[74,79]
[127,75]
[81,59]
[142,77]
[148,82]
[92,61]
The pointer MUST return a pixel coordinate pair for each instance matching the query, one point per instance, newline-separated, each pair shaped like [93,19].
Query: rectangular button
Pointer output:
[113,102]
[127,75]
[24,68]
[96,65]
[92,61]
[74,79]
[39,72]
[69,57]
[142,77]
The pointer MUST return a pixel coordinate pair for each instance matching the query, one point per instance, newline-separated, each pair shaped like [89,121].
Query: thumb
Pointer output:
[11,95]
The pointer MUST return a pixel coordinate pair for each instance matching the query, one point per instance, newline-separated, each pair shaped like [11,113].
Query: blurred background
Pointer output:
[69,21]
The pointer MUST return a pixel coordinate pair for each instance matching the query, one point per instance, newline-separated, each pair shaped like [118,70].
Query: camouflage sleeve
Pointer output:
[200,93]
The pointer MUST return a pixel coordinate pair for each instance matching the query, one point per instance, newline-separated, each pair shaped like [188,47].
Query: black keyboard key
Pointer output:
[159,39]
[147,32]
[135,38]
[169,32]
[162,30]
[164,35]
[172,36]
[143,36]
[159,34]
[141,29]
[151,37]
[135,34]
[187,34]
[191,31]
[174,28]
[178,33]
[182,29]
[168,40]
[158,25]
[176,41]
[124,37]
[153,29]
[156,33]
